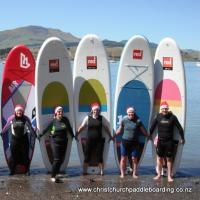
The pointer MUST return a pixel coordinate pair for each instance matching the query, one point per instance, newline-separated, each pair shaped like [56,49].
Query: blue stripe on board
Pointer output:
[135,94]
[87,108]
[50,110]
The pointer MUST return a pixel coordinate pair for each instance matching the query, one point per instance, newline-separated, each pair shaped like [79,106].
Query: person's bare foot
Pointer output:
[157,177]
[170,179]
[121,176]
[135,176]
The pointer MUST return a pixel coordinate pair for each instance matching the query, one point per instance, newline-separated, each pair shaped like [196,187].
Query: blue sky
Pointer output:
[110,19]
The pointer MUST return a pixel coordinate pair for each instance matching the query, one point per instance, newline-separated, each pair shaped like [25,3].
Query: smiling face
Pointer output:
[164,111]
[59,114]
[130,114]
[19,113]
[95,112]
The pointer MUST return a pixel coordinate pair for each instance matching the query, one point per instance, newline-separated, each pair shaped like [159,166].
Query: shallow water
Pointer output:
[190,164]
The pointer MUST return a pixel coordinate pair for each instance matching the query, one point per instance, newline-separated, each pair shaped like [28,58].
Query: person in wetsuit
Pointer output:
[60,128]
[130,126]
[19,127]
[94,142]
[165,121]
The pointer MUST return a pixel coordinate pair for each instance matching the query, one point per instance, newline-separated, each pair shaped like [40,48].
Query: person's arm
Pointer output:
[7,126]
[106,125]
[180,129]
[153,125]
[29,125]
[82,126]
[69,127]
[46,129]
[144,131]
[119,130]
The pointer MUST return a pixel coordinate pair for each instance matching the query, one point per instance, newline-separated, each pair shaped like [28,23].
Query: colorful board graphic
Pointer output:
[92,91]
[18,88]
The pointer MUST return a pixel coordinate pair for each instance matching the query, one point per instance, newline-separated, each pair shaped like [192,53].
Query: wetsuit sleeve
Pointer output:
[29,125]
[47,128]
[153,125]
[179,127]
[8,125]
[69,127]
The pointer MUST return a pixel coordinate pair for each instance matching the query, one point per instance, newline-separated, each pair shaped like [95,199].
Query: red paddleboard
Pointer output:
[18,87]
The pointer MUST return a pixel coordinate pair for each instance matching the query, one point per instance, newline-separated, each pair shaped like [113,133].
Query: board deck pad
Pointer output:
[18,87]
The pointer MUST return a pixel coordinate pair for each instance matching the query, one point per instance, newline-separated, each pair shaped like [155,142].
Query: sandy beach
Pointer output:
[110,186]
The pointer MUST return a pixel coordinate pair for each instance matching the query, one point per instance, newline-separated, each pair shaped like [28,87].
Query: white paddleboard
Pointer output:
[53,88]
[91,79]
[170,87]
[134,88]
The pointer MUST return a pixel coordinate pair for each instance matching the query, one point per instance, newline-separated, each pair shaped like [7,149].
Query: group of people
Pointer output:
[19,126]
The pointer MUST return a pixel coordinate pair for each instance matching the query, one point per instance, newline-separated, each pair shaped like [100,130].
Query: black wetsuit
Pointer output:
[19,145]
[94,142]
[166,124]
[59,130]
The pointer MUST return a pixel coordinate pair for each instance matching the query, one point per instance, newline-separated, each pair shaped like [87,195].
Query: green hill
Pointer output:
[34,36]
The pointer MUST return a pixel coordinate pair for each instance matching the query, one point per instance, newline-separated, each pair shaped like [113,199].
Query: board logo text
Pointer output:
[54,65]
[24,61]
[137,54]
[91,62]
[168,63]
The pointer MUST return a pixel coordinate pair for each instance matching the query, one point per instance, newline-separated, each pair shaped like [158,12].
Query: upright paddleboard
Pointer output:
[53,88]
[134,88]
[91,79]
[170,87]
[18,87]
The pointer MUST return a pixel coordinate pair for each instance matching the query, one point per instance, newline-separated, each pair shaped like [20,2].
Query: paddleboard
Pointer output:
[134,87]
[18,87]
[53,88]
[170,87]
[91,80]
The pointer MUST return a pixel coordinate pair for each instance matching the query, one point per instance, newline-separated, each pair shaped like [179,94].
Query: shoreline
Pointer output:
[39,186]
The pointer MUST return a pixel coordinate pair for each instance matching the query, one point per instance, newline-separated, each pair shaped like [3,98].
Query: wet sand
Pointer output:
[110,186]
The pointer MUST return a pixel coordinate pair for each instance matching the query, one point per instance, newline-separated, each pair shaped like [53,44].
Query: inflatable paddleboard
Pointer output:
[18,87]
[170,87]
[91,79]
[53,88]
[134,88]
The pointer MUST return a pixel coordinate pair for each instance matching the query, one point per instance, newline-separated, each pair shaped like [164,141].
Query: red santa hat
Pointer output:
[19,107]
[58,108]
[164,105]
[95,106]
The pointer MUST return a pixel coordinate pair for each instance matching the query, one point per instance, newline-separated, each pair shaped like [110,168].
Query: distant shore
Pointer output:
[113,53]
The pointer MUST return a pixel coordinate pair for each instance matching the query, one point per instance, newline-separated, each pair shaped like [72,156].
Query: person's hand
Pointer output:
[39,137]
[149,137]
[182,141]
[76,138]
[111,138]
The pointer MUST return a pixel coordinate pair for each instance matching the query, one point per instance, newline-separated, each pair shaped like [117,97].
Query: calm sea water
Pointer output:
[191,153]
